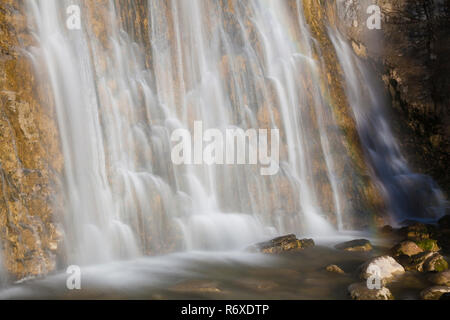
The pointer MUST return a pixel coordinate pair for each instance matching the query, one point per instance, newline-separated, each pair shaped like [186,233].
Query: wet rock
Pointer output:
[440,278]
[418,231]
[426,262]
[434,293]
[384,267]
[435,263]
[359,291]
[334,269]
[408,248]
[428,245]
[355,245]
[284,244]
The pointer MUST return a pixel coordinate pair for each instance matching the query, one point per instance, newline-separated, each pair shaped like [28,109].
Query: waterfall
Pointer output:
[120,92]
[408,194]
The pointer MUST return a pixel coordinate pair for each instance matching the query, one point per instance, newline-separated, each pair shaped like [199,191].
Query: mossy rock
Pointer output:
[419,231]
[286,243]
[439,265]
[428,245]
[355,245]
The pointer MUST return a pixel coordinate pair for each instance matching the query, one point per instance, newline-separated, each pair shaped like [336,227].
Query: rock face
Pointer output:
[284,244]
[434,293]
[359,291]
[30,156]
[355,245]
[384,267]
[408,248]
[410,53]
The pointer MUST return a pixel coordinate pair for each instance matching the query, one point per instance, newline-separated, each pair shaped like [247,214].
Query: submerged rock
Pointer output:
[360,291]
[334,269]
[196,286]
[408,248]
[440,278]
[434,293]
[284,244]
[384,267]
[355,245]
[435,263]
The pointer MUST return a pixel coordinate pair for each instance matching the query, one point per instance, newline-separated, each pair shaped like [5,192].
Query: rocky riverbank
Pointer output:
[417,259]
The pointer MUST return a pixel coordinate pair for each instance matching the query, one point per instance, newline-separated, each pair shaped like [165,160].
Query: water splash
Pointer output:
[120,92]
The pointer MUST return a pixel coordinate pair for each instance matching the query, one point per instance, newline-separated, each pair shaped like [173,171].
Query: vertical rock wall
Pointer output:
[30,157]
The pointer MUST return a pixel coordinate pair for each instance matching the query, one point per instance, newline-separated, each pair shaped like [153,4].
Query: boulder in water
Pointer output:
[384,267]
[426,262]
[334,269]
[408,248]
[355,245]
[428,245]
[360,291]
[434,293]
[284,244]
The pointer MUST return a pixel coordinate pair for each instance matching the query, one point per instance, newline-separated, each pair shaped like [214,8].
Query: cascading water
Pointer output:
[408,194]
[123,196]
[246,64]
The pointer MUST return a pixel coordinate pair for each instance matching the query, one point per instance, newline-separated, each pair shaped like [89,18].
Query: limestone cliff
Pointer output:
[410,54]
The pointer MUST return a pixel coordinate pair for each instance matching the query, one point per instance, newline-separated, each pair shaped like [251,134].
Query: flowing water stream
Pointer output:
[123,195]
[249,67]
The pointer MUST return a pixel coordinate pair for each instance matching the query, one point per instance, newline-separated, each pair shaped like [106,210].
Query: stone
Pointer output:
[359,291]
[435,263]
[385,267]
[408,248]
[284,244]
[428,245]
[426,262]
[434,293]
[440,278]
[334,269]
[355,245]
[418,231]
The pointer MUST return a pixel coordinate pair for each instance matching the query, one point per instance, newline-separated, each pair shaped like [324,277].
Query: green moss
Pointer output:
[428,245]
[441,265]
